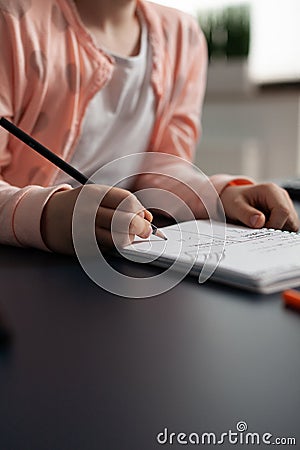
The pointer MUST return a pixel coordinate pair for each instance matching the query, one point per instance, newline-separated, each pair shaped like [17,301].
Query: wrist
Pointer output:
[56,224]
[237,182]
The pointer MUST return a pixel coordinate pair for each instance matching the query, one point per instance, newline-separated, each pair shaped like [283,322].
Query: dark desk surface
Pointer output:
[87,370]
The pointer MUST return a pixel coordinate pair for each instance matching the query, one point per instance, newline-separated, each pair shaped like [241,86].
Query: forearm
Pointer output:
[191,188]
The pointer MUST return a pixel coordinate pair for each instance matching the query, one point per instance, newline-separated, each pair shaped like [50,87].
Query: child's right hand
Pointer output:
[129,218]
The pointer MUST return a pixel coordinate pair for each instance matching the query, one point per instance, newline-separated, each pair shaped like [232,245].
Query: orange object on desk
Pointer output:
[292,299]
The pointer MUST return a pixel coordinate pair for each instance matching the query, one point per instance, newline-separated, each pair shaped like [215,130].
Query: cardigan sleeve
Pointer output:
[20,208]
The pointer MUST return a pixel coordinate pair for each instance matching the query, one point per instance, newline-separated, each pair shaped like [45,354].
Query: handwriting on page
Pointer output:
[257,241]
[192,243]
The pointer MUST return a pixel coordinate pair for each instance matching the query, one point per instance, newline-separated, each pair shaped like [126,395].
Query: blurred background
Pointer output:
[251,115]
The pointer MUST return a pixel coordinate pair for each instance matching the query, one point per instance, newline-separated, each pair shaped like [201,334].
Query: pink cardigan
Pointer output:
[50,70]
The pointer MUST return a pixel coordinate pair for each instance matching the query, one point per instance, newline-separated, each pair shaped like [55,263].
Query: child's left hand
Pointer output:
[260,205]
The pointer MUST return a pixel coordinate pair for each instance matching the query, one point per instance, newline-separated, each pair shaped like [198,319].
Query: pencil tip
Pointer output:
[160,234]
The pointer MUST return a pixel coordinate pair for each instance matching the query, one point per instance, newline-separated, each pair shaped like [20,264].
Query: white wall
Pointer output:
[275,35]
[275,44]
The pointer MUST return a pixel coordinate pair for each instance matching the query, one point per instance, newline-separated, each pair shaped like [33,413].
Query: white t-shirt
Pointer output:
[118,121]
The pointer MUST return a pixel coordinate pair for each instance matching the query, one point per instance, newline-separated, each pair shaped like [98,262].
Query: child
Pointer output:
[95,80]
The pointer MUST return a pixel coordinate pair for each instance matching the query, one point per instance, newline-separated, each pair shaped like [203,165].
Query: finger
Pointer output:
[140,227]
[283,215]
[291,223]
[123,222]
[105,216]
[124,200]
[147,215]
[275,203]
[247,214]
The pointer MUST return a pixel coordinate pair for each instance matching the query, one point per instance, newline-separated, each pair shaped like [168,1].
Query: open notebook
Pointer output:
[262,260]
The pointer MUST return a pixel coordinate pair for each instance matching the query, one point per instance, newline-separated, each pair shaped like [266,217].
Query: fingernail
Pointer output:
[254,219]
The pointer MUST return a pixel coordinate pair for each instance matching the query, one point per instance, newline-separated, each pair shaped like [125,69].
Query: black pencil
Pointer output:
[56,160]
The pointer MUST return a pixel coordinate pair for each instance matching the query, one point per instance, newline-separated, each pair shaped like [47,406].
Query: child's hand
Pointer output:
[129,219]
[260,205]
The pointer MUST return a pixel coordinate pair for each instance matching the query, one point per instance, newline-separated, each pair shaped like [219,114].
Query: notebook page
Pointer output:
[254,254]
